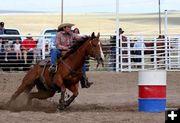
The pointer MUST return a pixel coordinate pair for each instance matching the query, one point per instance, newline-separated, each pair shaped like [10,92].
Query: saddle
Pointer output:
[44,62]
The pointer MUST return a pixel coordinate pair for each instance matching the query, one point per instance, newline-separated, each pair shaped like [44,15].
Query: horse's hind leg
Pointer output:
[21,88]
[40,95]
[26,85]
[27,91]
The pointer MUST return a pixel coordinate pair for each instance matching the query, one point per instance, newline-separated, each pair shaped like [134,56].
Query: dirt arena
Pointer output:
[112,99]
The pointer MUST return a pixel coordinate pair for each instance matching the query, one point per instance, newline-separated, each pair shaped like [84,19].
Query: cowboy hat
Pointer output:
[121,31]
[29,36]
[65,25]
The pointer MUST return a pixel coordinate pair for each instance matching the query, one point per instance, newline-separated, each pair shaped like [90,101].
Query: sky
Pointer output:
[84,6]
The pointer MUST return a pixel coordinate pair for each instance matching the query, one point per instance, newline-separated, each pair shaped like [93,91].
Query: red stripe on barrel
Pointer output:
[152,91]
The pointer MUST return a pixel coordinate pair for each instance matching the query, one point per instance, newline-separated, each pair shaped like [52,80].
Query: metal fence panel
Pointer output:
[156,54]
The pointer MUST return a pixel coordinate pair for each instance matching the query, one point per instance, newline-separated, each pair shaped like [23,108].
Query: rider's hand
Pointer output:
[65,48]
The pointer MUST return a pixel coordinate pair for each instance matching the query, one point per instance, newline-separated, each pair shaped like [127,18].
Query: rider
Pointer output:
[63,41]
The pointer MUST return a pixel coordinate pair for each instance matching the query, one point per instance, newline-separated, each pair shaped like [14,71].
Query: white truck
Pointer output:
[47,36]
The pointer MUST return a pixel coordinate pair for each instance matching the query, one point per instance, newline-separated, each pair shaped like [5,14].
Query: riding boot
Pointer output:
[85,83]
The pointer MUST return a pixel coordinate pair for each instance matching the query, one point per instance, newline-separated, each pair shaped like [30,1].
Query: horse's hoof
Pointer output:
[61,107]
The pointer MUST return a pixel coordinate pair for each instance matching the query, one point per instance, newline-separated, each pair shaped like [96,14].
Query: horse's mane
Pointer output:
[75,46]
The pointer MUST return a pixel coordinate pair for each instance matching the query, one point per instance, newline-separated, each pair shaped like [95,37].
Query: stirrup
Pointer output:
[53,68]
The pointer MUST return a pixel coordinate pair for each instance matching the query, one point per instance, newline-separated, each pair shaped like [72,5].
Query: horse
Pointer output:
[160,46]
[67,76]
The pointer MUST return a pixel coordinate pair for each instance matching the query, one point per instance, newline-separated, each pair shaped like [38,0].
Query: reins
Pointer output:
[69,68]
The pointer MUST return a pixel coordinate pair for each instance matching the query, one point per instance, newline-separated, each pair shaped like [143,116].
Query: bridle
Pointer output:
[92,47]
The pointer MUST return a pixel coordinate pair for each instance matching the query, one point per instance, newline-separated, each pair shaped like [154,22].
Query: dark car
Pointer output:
[11,31]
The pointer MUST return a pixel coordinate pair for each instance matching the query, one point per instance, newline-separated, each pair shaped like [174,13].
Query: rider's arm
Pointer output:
[57,42]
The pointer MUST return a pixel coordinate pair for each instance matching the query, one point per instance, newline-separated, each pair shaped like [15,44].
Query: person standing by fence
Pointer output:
[113,48]
[139,46]
[1,33]
[1,28]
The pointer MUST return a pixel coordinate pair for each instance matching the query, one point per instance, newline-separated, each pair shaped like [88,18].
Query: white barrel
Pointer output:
[152,77]
[152,90]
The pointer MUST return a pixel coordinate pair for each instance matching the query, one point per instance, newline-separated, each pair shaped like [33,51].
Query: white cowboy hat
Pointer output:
[64,25]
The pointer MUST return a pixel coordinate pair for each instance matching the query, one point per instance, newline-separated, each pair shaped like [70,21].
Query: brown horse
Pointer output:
[67,76]
[160,47]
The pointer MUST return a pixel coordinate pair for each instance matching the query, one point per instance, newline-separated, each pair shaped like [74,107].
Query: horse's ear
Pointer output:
[98,35]
[93,35]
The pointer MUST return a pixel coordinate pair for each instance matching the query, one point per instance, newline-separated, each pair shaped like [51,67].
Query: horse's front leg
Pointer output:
[74,90]
[59,82]
[61,105]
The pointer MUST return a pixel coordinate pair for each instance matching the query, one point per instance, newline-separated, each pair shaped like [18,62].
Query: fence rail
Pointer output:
[156,53]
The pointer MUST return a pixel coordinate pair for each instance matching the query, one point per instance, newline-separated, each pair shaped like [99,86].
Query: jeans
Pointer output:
[84,70]
[55,54]
[113,58]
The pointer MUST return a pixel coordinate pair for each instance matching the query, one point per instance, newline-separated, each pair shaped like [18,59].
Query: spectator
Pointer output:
[1,28]
[76,31]
[1,45]
[7,49]
[139,45]
[113,48]
[29,45]
[1,32]
[17,49]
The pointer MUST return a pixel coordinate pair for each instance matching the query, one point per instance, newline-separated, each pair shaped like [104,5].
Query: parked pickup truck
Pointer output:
[11,31]
[47,35]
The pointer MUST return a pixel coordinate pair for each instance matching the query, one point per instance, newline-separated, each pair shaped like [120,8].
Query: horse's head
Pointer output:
[95,49]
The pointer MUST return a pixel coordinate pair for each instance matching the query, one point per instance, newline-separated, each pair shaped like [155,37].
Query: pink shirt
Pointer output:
[65,39]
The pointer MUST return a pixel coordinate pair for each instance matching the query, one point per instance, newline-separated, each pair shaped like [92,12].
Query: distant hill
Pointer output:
[11,11]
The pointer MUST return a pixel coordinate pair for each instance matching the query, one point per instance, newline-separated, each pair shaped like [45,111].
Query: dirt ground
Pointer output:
[112,99]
